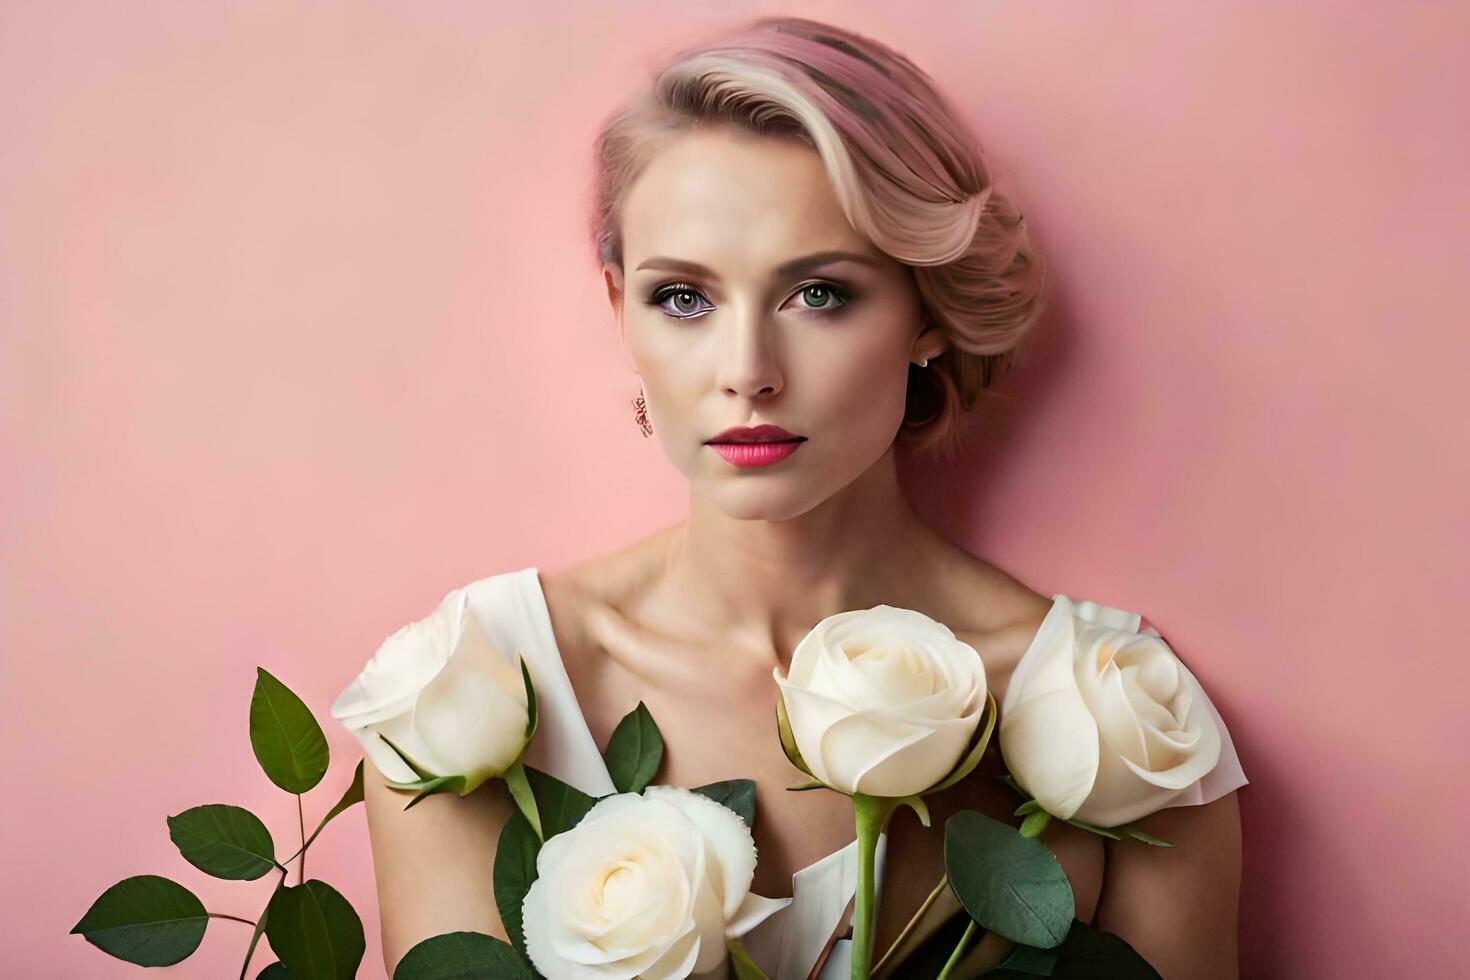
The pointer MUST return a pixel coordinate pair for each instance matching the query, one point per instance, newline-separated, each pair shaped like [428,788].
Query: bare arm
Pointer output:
[1179,906]
[433,863]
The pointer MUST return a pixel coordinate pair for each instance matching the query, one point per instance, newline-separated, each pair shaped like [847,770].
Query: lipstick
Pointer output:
[756,453]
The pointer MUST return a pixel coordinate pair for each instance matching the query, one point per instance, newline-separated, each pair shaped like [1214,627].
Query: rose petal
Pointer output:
[400,730]
[1050,745]
[677,960]
[1127,791]
[404,662]
[474,713]
[576,929]
[900,761]
[1047,665]
[810,715]
[1102,690]
[730,848]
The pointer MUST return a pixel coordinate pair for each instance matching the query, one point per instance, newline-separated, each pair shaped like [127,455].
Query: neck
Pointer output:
[762,584]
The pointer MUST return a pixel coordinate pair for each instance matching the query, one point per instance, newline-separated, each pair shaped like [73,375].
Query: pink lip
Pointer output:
[755,453]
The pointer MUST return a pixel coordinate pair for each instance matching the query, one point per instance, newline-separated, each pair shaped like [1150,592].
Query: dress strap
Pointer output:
[511,608]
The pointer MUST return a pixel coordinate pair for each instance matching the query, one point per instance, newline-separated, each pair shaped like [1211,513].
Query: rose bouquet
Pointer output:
[649,881]
[652,881]
[1102,725]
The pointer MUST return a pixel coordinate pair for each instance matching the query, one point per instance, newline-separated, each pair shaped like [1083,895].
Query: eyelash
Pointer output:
[662,294]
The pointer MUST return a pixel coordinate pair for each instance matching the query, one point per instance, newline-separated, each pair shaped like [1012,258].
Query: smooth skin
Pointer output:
[692,619]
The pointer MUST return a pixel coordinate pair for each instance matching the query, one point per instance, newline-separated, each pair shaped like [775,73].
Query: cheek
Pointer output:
[860,389]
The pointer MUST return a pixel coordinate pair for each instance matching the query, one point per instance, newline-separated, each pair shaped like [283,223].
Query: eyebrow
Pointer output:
[794,267]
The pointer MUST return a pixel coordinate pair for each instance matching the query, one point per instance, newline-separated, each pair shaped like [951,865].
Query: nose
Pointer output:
[749,358]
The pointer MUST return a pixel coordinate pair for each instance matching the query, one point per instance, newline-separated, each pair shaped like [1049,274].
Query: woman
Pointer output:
[810,267]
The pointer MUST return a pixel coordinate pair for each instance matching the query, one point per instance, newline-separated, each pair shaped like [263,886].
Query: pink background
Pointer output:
[298,330]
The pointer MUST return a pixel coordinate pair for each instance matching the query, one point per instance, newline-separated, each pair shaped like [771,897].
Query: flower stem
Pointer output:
[959,951]
[520,791]
[870,814]
[260,925]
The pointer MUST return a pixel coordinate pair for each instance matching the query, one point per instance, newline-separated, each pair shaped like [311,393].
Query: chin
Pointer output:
[749,502]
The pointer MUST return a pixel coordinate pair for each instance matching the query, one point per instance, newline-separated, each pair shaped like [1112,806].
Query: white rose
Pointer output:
[646,885]
[448,697]
[1104,724]
[882,701]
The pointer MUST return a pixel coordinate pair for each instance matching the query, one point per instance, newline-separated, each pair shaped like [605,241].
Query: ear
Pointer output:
[612,277]
[930,342]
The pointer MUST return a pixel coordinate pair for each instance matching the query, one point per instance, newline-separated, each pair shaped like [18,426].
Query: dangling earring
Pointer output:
[640,414]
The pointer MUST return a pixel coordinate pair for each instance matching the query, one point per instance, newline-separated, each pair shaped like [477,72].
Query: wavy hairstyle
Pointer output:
[907,171]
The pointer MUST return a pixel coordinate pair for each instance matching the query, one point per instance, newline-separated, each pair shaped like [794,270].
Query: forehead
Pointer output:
[724,196]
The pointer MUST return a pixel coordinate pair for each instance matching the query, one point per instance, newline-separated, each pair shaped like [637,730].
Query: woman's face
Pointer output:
[736,313]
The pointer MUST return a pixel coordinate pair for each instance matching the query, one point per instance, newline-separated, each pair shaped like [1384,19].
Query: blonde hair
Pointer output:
[906,170]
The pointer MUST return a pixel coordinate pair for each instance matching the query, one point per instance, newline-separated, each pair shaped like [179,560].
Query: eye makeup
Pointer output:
[662,294]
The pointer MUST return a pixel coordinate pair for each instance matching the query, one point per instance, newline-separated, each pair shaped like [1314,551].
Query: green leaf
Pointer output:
[1011,885]
[561,806]
[737,794]
[1027,808]
[224,841]
[515,870]
[351,797]
[315,932]
[288,742]
[742,966]
[275,971]
[463,956]
[1087,954]
[1028,961]
[147,920]
[634,751]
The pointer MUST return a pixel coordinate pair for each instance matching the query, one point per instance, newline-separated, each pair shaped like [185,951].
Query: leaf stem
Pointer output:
[301,820]
[235,918]
[959,951]
[870,813]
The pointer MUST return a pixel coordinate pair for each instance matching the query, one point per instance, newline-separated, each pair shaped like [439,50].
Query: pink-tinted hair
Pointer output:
[907,171]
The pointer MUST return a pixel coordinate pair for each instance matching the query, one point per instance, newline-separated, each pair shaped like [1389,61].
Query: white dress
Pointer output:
[512,608]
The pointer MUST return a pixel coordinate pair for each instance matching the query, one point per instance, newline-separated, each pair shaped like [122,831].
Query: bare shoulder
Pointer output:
[985,601]
[582,596]
[588,604]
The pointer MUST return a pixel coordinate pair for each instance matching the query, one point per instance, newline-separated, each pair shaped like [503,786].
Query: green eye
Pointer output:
[822,296]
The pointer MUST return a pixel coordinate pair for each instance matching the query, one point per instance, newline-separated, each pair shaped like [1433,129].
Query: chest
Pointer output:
[717,718]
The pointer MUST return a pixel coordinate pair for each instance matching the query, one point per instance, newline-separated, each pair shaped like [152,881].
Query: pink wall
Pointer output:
[282,287]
